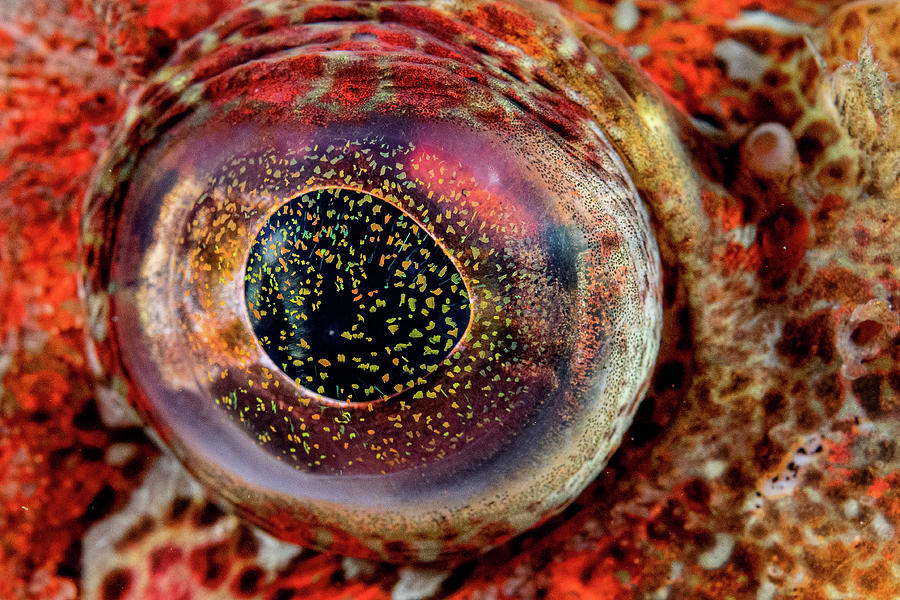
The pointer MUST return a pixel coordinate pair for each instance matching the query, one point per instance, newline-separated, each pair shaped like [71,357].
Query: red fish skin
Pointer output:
[647,523]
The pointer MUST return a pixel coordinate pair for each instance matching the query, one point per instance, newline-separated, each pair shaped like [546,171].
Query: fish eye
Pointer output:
[381,290]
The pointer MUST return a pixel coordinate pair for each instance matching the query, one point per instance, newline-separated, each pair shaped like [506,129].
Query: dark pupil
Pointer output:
[352,298]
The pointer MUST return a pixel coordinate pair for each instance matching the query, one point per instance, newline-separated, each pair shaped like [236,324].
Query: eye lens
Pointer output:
[350,297]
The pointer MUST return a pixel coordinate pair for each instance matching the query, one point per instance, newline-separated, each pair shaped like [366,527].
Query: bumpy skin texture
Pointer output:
[763,461]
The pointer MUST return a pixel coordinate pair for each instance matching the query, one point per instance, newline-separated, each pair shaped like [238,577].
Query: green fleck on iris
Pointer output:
[337,281]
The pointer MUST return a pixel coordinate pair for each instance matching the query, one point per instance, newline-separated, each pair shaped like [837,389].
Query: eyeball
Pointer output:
[374,274]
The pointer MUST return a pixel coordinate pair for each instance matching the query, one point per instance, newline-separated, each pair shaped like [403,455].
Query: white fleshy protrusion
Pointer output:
[770,151]
[741,61]
[120,453]
[357,567]
[850,508]
[766,591]
[883,529]
[626,15]
[114,408]
[417,583]
[718,555]
[274,555]
[761,19]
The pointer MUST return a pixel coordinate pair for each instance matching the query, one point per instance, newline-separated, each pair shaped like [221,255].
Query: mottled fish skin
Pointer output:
[761,464]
